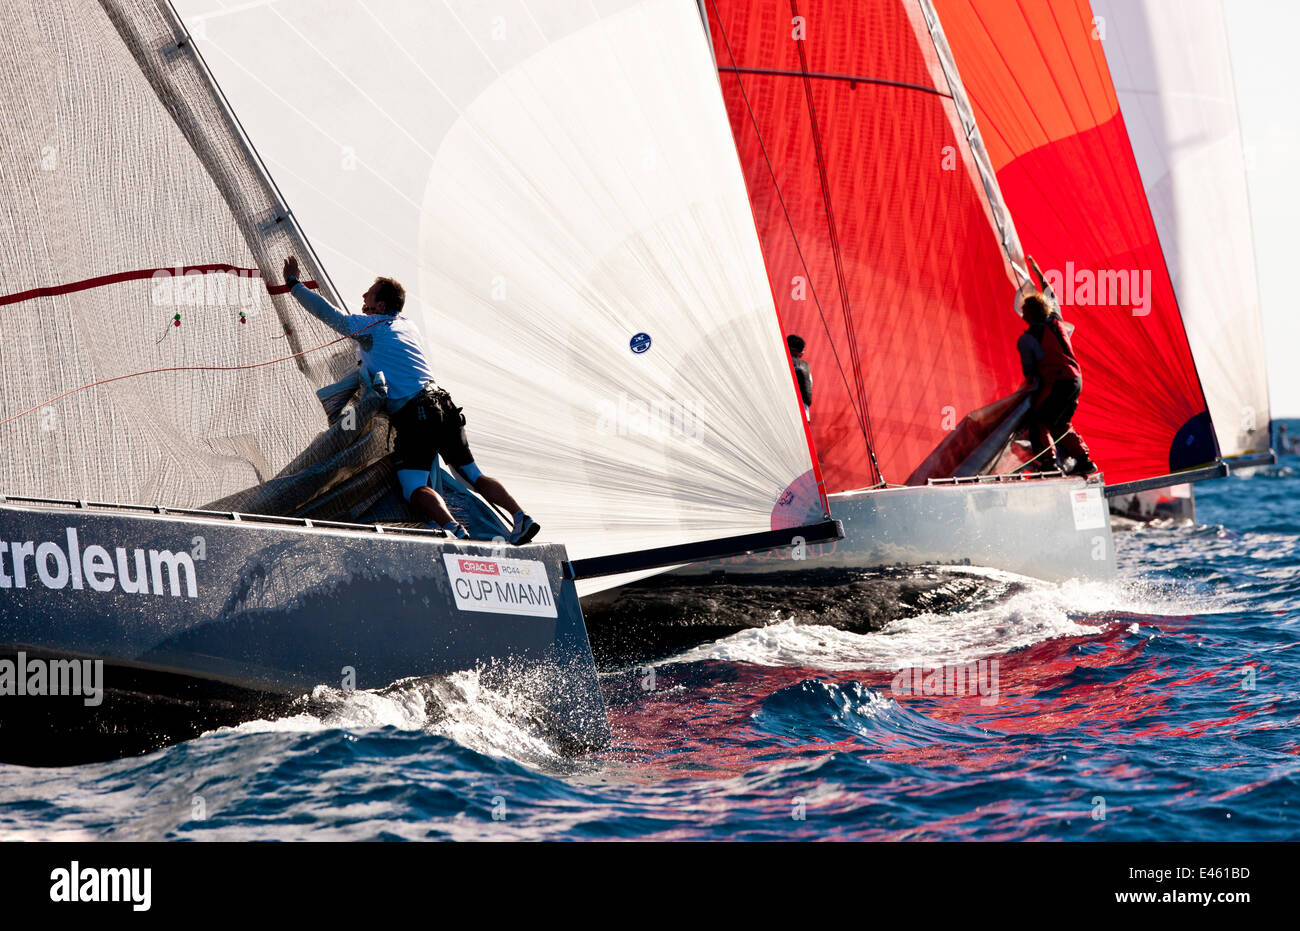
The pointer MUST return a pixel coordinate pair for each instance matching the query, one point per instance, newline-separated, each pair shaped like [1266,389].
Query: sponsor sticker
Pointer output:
[500,586]
[1089,509]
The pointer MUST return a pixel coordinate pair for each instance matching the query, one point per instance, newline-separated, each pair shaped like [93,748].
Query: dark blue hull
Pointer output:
[210,620]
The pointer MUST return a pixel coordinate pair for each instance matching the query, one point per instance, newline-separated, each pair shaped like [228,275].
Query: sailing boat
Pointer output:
[567,210]
[1173,78]
[891,253]
[1114,134]
[865,235]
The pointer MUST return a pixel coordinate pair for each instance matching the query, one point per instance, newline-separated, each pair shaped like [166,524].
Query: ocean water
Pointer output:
[1160,706]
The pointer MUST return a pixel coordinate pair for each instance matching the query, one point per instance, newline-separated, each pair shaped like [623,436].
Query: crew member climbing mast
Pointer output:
[1048,361]
[426,421]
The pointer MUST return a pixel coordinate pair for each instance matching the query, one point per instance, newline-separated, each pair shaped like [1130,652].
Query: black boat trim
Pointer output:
[663,556]
[1214,470]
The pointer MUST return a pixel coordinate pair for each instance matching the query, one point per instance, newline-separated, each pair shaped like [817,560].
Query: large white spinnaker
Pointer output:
[557,187]
[1170,64]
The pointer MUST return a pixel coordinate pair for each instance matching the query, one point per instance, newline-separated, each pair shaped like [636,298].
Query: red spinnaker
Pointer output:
[1036,76]
[878,237]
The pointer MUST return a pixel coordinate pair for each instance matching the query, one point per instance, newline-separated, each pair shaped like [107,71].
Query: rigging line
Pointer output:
[836,252]
[852,79]
[794,236]
[188,368]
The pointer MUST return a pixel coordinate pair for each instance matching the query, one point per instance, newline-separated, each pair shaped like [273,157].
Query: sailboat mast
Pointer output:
[283,213]
[1001,215]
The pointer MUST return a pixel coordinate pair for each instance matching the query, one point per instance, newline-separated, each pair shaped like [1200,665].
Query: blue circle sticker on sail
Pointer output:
[640,343]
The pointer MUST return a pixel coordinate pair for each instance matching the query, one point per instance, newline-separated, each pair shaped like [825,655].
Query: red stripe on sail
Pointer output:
[176,271]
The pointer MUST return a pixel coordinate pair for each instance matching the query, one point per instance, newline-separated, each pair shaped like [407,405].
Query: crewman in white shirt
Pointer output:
[424,418]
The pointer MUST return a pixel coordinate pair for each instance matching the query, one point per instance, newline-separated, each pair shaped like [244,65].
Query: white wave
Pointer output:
[1036,611]
[502,721]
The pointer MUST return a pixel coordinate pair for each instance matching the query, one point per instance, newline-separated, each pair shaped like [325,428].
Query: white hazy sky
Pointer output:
[1262,34]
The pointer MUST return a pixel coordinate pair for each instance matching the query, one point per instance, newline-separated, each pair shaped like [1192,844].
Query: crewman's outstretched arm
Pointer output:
[317,306]
[1043,286]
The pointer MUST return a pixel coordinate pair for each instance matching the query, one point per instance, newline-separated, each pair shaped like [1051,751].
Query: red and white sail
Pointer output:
[1172,72]
[145,355]
[1038,79]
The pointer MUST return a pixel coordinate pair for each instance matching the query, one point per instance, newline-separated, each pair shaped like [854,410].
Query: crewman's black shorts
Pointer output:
[1055,407]
[427,426]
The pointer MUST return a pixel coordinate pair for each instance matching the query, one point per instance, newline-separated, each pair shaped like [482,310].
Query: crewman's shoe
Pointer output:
[1083,468]
[457,530]
[524,530]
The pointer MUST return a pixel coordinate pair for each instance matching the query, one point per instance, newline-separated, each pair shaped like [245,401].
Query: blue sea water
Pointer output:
[1160,706]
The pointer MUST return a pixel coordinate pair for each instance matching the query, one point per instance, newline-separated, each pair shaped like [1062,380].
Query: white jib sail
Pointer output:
[556,185]
[1170,64]
[122,380]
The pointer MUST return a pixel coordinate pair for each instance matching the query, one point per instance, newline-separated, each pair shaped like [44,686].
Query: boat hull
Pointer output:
[881,571]
[203,621]
[1052,529]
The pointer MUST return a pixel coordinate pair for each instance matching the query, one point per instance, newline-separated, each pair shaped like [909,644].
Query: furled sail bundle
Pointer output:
[1173,77]
[886,245]
[136,235]
[556,186]
[1038,79]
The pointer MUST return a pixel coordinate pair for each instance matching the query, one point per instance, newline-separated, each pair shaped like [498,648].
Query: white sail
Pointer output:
[1170,65]
[117,165]
[556,186]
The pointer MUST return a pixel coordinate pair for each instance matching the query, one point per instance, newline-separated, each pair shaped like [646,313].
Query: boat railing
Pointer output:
[997,479]
[233,516]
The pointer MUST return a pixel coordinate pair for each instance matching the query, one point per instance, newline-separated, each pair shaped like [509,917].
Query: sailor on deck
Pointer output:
[802,372]
[426,421]
[1287,446]
[1048,360]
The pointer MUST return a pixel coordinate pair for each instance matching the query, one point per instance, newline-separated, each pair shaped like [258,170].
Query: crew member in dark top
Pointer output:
[802,371]
[1288,446]
[1048,360]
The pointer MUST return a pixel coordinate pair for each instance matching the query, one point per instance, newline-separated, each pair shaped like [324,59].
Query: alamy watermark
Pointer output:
[103,884]
[1109,287]
[23,676]
[659,417]
[955,681]
[242,288]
